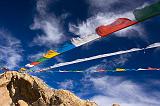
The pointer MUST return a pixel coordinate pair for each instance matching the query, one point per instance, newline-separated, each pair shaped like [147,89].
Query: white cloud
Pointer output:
[144,5]
[49,24]
[133,31]
[10,50]
[41,6]
[101,3]
[111,64]
[34,57]
[103,15]
[116,61]
[88,27]
[68,84]
[114,89]
[112,5]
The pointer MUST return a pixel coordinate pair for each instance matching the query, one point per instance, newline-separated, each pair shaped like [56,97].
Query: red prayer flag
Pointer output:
[119,24]
[35,63]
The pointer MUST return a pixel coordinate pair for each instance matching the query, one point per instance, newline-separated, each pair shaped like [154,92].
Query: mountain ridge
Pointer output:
[22,89]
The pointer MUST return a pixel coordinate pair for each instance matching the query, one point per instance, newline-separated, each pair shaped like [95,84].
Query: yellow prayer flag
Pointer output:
[50,54]
[23,69]
[120,69]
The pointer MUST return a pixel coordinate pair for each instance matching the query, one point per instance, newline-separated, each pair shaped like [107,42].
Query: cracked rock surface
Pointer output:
[19,89]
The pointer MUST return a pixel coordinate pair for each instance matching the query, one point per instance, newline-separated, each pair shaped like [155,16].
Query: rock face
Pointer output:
[115,105]
[18,89]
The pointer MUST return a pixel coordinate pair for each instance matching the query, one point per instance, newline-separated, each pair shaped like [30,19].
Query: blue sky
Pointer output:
[28,28]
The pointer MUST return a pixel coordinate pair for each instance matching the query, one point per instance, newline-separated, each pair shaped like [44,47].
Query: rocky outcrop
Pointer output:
[115,105]
[20,89]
